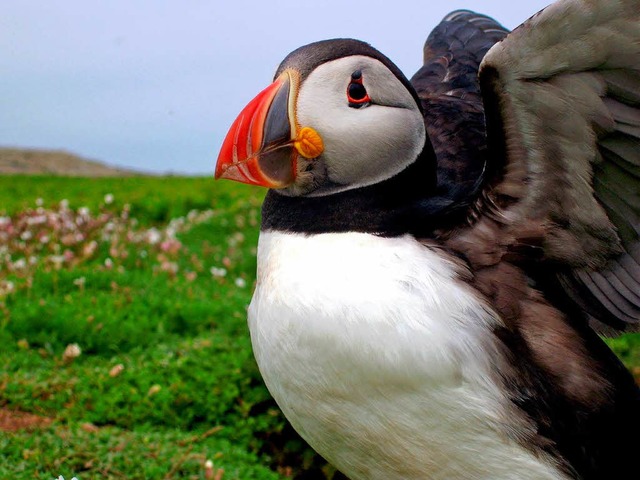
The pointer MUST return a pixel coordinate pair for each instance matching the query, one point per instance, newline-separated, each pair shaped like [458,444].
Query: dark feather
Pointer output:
[560,203]
[449,92]
[566,118]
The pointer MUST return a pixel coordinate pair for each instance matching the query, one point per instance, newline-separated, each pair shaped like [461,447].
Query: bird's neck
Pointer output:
[405,203]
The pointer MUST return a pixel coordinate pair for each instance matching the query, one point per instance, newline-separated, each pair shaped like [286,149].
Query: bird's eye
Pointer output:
[356,93]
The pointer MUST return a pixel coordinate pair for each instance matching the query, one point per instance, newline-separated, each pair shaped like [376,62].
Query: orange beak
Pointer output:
[264,143]
[259,148]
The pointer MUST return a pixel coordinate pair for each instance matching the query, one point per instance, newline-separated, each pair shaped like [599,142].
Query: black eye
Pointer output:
[356,92]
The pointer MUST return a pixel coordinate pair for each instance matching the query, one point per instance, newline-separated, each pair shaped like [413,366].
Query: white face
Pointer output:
[362,146]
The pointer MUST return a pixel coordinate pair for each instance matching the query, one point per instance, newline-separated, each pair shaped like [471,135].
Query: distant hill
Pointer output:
[18,161]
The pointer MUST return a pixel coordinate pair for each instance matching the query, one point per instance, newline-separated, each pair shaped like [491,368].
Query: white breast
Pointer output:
[383,361]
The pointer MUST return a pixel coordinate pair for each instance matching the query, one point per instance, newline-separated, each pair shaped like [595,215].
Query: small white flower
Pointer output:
[84,211]
[72,351]
[108,198]
[108,262]
[57,260]
[208,469]
[64,204]
[6,287]
[39,202]
[26,235]
[218,272]
[240,282]
[153,236]
[37,220]
[20,264]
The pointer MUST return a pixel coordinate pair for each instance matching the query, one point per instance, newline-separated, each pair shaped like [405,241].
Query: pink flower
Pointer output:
[171,245]
[169,267]
[90,248]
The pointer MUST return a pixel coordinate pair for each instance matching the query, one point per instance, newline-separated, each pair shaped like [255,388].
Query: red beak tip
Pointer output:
[244,155]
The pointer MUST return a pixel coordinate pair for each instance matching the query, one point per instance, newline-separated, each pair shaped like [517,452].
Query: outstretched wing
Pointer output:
[562,101]
[449,91]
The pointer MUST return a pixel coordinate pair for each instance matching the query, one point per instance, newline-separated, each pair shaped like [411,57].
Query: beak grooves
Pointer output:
[239,153]
[263,143]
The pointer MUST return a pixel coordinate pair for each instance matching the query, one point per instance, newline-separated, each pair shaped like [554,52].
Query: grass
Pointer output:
[151,278]
[111,452]
[166,355]
[153,199]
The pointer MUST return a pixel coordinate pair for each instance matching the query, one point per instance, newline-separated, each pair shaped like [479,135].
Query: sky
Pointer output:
[154,85]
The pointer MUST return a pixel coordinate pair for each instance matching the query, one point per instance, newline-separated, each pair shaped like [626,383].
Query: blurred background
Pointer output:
[154,85]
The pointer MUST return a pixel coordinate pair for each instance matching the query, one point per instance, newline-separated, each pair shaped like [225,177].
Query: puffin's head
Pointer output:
[339,115]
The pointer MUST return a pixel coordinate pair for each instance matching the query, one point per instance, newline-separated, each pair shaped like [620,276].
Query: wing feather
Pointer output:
[562,99]
[449,91]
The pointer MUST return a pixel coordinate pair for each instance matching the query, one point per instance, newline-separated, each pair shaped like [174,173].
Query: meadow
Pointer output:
[123,324]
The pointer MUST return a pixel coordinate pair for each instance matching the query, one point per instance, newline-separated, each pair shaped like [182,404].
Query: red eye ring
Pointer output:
[356,92]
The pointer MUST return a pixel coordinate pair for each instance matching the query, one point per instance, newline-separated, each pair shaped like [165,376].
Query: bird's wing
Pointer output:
[562,103]
[449,91]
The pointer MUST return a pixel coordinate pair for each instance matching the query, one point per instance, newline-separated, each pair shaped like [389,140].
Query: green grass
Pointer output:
[112,452]
[153,199]
[178,334]
[166,379]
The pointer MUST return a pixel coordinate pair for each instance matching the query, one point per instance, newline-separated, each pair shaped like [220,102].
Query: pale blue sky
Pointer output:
[154,85]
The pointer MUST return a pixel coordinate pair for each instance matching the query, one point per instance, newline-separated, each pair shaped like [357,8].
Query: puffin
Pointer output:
[440,257]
